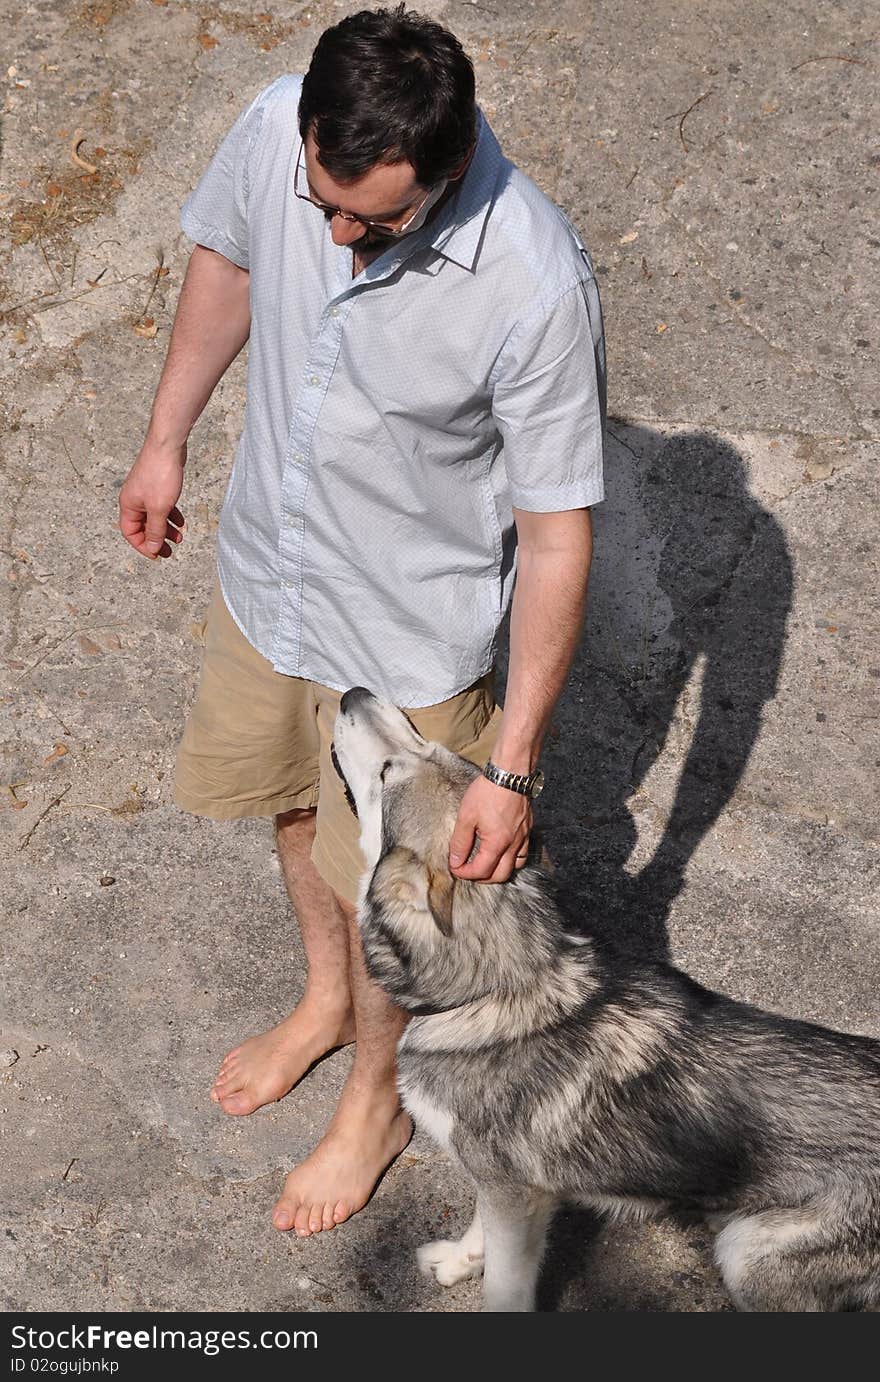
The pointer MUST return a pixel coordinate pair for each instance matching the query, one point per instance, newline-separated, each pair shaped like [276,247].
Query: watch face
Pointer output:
[538,787]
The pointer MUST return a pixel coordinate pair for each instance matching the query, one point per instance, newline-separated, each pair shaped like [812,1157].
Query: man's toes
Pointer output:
[301,1222]
[283,1215]
[230,1069]
[226,1066]
[237,1104]
[341,1212]
[316,1218]
[328,1221]
[228,1084]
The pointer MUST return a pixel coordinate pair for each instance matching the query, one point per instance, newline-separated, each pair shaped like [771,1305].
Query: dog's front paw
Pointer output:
[448,1262]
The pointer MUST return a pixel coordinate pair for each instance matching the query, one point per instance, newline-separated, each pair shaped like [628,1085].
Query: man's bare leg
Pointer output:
[266,1067]
[369,1128]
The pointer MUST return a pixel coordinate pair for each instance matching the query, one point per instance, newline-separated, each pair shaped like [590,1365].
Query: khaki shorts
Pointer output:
[257,742]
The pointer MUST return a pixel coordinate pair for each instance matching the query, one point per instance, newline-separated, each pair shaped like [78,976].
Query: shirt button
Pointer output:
[334,311]
[314,379]
[291,520]
[298,457]
[288,585]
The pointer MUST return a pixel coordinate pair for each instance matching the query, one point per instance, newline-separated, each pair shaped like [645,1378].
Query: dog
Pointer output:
[557,1070]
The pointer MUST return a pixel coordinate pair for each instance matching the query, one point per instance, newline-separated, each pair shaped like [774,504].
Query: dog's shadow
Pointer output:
[595,1264]
[689,568]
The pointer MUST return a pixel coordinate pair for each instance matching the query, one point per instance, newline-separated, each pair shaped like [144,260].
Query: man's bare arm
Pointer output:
[549,600]
[212,323]
[554,553]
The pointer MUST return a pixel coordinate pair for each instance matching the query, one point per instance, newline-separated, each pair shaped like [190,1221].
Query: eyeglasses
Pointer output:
[430,199]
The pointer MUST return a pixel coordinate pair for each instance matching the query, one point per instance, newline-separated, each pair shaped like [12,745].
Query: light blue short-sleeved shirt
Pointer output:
[395,419]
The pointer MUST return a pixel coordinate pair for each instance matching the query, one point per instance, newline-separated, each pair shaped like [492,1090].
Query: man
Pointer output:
[424,420]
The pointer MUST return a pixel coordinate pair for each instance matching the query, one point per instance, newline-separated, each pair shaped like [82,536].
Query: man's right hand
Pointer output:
[211,325]
[149,518]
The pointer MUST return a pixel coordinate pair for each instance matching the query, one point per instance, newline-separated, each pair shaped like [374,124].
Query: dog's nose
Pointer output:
[352,696]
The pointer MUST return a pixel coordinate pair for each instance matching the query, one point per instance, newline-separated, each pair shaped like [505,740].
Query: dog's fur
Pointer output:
[556,1070]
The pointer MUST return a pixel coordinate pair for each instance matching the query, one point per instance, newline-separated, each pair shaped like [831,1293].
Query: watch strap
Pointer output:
[523,783]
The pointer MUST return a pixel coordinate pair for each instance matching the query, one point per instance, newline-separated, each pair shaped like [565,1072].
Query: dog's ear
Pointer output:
[441,893]
[400,874]
[408,879]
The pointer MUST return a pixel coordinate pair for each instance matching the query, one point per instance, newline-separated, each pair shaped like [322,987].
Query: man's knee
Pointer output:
[298,816]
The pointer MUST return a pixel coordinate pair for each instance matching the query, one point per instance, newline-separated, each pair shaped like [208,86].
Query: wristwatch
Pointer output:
[527,784]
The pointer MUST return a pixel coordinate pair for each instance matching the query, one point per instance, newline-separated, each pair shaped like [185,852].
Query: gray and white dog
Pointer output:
[556,1070]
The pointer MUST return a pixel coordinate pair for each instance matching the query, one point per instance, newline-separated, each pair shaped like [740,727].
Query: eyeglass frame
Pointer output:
[365,221]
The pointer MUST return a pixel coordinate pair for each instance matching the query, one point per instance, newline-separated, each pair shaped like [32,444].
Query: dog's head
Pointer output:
[405,792]
[431,939]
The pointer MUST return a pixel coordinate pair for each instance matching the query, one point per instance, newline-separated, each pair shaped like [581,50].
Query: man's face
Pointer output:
[388,192]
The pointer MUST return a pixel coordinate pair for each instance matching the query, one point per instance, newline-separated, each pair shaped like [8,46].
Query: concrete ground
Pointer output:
[713,763]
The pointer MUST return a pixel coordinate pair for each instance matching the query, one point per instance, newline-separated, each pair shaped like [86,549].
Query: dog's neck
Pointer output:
[549,981]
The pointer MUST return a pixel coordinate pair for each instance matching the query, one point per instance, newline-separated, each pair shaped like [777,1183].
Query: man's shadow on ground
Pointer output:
[688,566]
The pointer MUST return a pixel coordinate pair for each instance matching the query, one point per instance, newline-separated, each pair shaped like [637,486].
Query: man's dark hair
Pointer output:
[386,86]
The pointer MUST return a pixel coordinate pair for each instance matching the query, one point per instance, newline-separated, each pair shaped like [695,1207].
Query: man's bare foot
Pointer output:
[266,1067]
[367,1132]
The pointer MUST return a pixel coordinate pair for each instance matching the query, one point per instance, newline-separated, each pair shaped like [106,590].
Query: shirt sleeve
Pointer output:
[215,214]
[549,404]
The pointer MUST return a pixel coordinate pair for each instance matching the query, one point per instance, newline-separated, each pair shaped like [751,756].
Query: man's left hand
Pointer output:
[501,821]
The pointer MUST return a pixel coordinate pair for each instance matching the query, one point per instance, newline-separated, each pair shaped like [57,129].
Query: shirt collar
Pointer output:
[456,231]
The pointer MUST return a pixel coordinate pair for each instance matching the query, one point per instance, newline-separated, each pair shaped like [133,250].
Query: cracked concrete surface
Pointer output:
[712,765]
